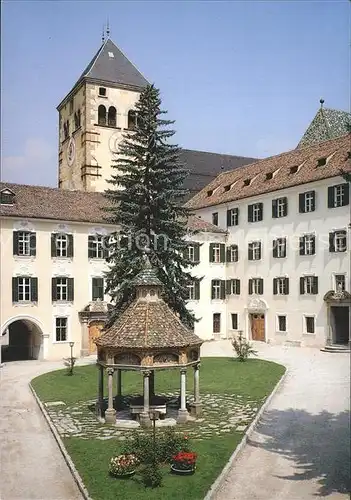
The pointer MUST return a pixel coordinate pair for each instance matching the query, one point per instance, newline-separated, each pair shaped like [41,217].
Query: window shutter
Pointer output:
[212,290]
[54,289]
[236,211]
[105,243]
[33,243]
[250,287]
[197,252]
[15,243]
[260,251]
[229,287]
[275,286]
[70,289]
[250,213]
[14,289]
[222,289]
[286,286]
[285,206]
[315,285]
[250,252]
[260,215]
[313,201]
[302,245]
[94,290]
[274,209]
[302,285]
[331,197]
[34,289]
[70,249]
[313,245]
[346,189]
[284,249]
[237,286]
[228,254]
[222,252]
[260,286]
[344,241]
[53,244]
[275,251]
[236,256]
[229,218]
[331,242]
[90,248]
[197,290]
[211,252]
[302,203]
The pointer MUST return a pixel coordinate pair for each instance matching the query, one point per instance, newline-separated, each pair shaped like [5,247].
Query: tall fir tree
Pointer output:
[145,203]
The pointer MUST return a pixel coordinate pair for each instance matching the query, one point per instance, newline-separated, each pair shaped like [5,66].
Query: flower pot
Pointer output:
[125,475]
[183,472]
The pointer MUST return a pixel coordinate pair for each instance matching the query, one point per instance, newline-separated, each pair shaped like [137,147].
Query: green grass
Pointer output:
[254,379]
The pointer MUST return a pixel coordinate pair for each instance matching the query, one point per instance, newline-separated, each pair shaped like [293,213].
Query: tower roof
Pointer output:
[110,65]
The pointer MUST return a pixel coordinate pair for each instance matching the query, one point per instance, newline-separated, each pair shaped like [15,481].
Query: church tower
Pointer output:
[93,116]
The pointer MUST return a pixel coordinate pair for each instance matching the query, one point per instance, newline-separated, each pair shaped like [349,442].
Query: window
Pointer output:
[309,324]
[97,247]
[280,207]
[227,188]
[339,282]
[66,130]
[256,286]
[61,245]
[293,169]
[281,286]
[279,248]
[217,289]
[192,252]
[233,217]
[216,323]
[77,119]
[102,91]
[338,196]
[210,192]
[215,218]
[71,106]
[233,287]
[247,182]
[24,289]
[321,162]
[269,176]
[308,244]
[255,212]
[234,317]
[337,241]
[61,329]
[7,197]
[194,290]
[24,243]
[307,202]
[254,252]
[132,119]
[97,288]
[217,252]
[62,289]
[112,116]
[281,323]
[232,253]
[309,285]
[101,115]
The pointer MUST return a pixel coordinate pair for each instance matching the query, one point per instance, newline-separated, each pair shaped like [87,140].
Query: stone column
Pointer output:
[85,337]
[196,407]
[100,401]
[152,384]
[329,340]
[110,413]
[182,412]
[144,416]
[119,388]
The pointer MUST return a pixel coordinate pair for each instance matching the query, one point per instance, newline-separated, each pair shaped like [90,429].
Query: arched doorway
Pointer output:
[21,340]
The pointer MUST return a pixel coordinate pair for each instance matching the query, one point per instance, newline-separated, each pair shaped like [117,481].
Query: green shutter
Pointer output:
[212,290]
[313,201]
[54,289]
[229,287]
[237,286]
[237,216]
[313,245]
[197,290]
[197,252]
[315,285]
[70,290]
[250,287]
[211,252]
[260,217]
[284,251]
[346,189]
[302,286]
[260,251]
[275,286]
[70,249]
[229,218]
[302,203]
[34,289]
[97,288]
[302,245]
[275,251]
[249,213]
[260,286]
[53,245]
[285,206]
[15,243]
[331,198]
[222,289]
[236,255]
[106,246]
[250,252]
[228,259]
[222,252]
[14,289]
[91,250]
[286,286]
[33,243]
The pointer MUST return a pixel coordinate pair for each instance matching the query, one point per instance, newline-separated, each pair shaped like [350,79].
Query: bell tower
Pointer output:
[93,117]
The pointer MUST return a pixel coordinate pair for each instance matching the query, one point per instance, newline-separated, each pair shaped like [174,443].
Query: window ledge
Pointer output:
[96,259]
[62,259]
[281,333]
[24,257]
[62,302]
[61,341]
[309,334]
[64,140]
[107,126]
[76,130]
[26,303]
[103,96]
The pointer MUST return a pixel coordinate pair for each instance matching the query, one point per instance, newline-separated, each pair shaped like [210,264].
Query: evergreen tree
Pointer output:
[144,202]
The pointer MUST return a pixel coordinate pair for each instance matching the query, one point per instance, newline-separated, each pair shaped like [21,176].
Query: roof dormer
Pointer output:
[7,197]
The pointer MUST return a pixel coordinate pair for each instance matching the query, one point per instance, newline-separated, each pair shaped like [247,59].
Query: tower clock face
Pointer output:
[71,151]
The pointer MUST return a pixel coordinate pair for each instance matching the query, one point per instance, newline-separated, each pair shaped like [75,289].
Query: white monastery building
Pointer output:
[270,238]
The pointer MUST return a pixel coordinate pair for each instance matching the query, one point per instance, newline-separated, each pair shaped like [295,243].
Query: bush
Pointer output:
[243,348]
[151,476]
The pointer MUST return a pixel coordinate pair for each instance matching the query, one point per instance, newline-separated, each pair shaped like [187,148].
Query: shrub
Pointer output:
[243,348]
[151,475]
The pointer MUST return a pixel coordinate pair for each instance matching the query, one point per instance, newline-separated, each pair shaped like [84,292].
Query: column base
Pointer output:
[84,352]
[144,420]
[195,409]
[182,416]
[110,416]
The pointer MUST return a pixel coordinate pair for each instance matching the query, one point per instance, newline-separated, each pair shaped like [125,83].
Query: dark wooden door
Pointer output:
[257,327]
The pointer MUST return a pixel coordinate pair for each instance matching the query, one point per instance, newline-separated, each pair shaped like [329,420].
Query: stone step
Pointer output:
[336,348]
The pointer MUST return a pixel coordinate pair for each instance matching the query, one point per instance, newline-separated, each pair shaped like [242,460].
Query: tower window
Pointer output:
[247,182]
[112,113]
[71,106]
[77,119]
[102,115]
[102,91]
[321,162]
[132,119]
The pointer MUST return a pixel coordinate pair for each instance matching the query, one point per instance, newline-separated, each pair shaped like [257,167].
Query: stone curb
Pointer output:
[220,479]
[63,450]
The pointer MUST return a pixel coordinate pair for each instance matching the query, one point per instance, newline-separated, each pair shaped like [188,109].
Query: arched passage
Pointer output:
[22,339]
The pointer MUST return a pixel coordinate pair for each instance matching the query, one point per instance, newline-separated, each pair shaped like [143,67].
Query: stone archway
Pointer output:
[21,339]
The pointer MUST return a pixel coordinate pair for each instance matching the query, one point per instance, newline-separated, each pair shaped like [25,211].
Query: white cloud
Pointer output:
[37,165]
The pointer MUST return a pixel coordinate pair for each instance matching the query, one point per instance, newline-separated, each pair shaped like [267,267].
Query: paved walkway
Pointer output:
[301,448]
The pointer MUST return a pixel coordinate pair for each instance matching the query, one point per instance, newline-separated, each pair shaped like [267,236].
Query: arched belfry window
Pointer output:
[132,119]
[112,113]
[102,115]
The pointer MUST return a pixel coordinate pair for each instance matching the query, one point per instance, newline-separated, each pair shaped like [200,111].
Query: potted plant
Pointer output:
[184,462]
[123,465]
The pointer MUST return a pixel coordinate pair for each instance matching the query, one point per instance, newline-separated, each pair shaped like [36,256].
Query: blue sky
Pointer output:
[240,78]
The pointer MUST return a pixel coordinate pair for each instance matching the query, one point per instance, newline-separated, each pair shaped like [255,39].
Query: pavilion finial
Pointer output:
[321,102]
[103,34]
[108,28]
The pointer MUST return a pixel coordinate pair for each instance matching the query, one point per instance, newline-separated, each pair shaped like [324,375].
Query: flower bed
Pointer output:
[123,465]
[184,462]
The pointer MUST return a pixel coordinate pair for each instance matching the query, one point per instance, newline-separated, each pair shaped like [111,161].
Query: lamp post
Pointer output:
[154,415]
[71,344]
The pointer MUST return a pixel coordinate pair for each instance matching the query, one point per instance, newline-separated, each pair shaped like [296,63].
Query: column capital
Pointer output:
[146,373]
[197,366]
[183,371]
[110,371]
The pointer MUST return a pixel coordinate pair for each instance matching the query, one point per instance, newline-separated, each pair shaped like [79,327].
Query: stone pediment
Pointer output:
[257,304]
[337,296]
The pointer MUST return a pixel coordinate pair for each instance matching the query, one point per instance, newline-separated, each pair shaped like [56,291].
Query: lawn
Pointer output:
[246,384]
